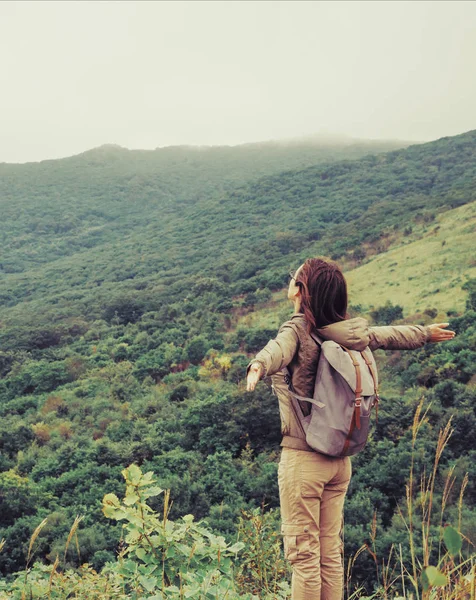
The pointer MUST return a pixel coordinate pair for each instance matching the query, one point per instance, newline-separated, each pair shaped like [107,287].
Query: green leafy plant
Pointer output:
[164,558]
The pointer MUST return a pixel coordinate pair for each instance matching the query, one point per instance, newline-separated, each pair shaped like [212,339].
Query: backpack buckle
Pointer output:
[358,402]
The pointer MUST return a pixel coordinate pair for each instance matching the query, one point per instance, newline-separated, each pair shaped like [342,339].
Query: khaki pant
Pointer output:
[312,489]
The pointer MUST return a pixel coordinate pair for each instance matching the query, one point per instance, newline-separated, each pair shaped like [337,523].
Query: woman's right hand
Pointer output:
[439,333]
[254,375]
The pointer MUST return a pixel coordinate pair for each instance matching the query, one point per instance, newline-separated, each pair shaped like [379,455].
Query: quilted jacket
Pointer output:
[294,348]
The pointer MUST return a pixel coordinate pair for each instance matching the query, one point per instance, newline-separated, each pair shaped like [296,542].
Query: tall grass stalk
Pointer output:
[73,533]
[428,491]
[460,499]
[53,572]
[418,421]
[350,567]
[33,539]
[450,578]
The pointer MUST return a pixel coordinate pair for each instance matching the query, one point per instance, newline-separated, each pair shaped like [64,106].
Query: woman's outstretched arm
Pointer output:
[276,355]
[408,337]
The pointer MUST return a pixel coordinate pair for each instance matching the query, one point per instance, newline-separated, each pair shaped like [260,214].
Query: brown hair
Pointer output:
[323,292]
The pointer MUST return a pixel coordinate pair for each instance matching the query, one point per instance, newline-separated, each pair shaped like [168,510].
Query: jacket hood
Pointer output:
[352,333]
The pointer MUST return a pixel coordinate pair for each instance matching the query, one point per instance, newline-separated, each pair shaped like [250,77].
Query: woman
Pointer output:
[312,486]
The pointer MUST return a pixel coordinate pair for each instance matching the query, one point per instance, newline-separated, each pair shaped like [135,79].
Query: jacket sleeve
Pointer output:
[279,352]
[398,337]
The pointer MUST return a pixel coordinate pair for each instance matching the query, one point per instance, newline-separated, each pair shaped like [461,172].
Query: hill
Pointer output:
[424,272]
[128,237]
[424,269]
[55,208]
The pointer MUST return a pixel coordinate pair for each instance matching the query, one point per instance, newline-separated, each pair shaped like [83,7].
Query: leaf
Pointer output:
[425,584]
[184,549]
[171,553]
[111,500]
[188,518]
[453,540]
[432,577]
[237,547]
[141,554]
[131,499]
[154,490]
[111,507]
[132,474]
[129,566]
[135,520]
[149,583]
[133,536]
[147,479]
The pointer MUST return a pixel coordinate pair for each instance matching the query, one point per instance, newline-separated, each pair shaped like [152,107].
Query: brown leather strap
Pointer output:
[372,373]
[358,391]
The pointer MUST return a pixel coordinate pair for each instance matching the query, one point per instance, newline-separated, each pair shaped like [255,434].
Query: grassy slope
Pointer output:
[424,273]
[423,270]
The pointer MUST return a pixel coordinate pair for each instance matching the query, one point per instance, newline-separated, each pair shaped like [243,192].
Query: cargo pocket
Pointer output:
[297,542]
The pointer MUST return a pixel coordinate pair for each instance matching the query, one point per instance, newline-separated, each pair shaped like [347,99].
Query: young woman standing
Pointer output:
[312,486]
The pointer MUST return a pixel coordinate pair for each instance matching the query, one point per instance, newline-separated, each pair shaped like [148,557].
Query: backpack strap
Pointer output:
[316,338]
[358,391]
[358,400]
[358,395]
[287,379]
[374,377]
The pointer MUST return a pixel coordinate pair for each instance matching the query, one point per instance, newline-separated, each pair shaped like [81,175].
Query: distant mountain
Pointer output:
[112,214]
[54,208]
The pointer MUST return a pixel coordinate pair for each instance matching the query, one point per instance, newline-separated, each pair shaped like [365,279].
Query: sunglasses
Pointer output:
[292,275]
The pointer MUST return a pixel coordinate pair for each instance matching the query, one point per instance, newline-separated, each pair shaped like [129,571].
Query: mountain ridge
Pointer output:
[313,140]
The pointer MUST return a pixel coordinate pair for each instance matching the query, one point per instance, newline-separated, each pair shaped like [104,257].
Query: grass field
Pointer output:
[423,270]
[423,273]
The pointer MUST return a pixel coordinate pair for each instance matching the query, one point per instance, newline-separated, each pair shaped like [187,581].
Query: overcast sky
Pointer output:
[75,75]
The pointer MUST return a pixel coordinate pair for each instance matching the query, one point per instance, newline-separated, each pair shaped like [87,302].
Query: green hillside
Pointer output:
[246,237]
[125,329]
[425,269]
[423,273]
[55,208]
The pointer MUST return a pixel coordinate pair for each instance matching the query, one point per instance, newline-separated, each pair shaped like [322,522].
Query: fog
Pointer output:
[76,75]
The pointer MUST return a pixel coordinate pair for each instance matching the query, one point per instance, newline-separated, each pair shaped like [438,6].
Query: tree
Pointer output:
[385,315]
[196,349]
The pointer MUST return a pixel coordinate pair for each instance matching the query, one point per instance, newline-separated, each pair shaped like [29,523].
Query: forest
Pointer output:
[126,278]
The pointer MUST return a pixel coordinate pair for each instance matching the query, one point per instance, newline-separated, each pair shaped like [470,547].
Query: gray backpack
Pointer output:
[345,391]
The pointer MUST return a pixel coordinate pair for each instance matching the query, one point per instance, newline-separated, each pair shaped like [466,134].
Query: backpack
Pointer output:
[345,391]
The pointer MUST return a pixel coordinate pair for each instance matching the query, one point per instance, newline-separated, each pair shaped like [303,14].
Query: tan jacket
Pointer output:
[294,348]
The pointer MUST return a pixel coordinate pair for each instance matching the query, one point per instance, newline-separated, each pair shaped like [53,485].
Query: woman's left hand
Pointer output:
[439,333]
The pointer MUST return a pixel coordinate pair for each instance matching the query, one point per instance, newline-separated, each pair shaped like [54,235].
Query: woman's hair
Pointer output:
[323,292]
